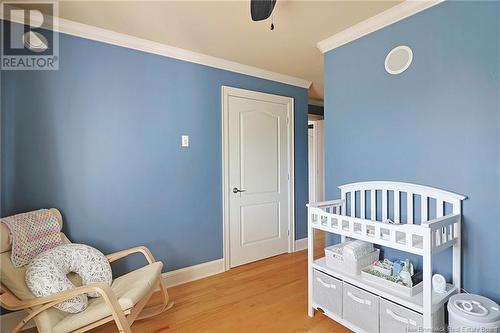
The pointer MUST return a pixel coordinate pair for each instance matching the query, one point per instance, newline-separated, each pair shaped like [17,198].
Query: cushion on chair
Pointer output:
[13,278]
[129,289]
[46,273]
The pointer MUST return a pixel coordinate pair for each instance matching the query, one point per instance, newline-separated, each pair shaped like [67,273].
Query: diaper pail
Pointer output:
[473,313]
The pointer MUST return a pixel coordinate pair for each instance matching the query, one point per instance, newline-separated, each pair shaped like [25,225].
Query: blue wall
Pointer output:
[437,124]
[100,139]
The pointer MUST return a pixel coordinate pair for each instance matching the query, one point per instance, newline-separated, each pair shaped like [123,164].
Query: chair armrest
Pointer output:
[139,249]
[47,302]
[102,288]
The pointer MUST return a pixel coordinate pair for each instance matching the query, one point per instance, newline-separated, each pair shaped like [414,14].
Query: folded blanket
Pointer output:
[31,234]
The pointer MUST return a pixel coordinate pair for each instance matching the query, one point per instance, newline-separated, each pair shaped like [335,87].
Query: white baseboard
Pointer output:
[192,273]
[301,244]
[9,320]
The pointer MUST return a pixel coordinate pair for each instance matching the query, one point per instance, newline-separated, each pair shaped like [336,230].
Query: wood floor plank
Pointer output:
[265,296]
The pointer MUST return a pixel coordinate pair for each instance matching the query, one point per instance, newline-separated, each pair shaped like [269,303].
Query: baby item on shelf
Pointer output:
[384,267]
[399,271]
[397,267]
[336,251]
[356,249]
[438,283]
[395,284]
[411,269]
[351,256]
[405,273]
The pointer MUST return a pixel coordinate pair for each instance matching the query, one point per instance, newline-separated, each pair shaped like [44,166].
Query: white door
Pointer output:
[258,181]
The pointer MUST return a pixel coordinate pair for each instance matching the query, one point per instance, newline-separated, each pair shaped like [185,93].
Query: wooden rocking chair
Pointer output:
[123,301]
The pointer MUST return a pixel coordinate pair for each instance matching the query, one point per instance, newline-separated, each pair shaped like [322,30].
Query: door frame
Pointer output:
[314,160]
[226,187]
[319,159]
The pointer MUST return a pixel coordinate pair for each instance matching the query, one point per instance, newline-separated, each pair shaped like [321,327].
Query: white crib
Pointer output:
[348,217]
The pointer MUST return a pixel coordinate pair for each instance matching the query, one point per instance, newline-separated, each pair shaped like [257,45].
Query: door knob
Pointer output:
[236,190]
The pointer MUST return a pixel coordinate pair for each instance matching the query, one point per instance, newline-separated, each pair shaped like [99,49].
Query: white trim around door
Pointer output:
[316,165]
[226,187]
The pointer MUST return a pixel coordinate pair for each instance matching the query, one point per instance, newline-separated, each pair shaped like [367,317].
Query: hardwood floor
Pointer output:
[266,296]
[319,243]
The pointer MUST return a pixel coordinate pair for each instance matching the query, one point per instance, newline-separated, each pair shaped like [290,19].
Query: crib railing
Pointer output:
[444,231]
[382,200]
[441,232]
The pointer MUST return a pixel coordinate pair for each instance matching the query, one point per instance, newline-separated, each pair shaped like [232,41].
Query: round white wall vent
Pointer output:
[398,59]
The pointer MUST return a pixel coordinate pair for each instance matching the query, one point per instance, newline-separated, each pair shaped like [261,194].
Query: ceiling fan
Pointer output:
[262,9]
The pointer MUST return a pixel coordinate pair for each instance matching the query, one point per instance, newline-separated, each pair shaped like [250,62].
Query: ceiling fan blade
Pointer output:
[261,9]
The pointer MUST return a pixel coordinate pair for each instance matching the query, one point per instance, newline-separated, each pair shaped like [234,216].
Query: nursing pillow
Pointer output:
[46,273]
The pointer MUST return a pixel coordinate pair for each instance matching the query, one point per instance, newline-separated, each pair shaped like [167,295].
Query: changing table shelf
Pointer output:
[414,303]
[362,213]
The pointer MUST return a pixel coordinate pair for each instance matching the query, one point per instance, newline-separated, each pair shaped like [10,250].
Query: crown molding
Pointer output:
[119,39]
[374,23]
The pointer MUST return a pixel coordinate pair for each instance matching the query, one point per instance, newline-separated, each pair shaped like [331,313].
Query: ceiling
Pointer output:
[224,29]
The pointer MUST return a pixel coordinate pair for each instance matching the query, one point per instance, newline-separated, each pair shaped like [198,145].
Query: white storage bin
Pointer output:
[395,318]
[327,292]
[473,313]
[348,266]
[360,308]
[393,286]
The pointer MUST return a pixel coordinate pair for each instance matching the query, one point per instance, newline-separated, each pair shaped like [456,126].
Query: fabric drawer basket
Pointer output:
[360,308]
[327,293]
[395,318]
[350,266]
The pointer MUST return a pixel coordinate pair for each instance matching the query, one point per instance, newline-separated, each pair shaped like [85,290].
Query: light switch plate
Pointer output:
[185,141]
